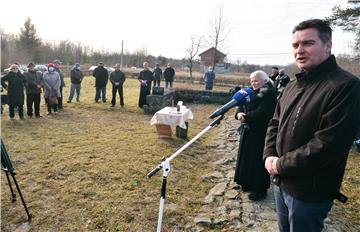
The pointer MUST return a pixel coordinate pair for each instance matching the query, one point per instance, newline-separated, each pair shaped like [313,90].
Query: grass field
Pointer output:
[85,168]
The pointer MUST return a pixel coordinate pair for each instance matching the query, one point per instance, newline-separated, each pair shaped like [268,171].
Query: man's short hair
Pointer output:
[274,67]
[322,26]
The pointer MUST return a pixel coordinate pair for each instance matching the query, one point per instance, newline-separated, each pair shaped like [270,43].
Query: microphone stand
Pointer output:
[165,166]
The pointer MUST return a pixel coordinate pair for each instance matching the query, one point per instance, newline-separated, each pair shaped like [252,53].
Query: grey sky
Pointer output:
[259,31]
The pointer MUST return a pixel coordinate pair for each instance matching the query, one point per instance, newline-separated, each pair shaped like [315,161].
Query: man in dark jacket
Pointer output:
[76,77]
[34,83]
[169,74]
[15,88]
[101,79]
[117,79]
[145,78]
[281,81]
[313,127]
[157,75]
[274,73]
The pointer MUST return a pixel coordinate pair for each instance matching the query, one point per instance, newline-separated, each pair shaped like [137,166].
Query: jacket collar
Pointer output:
[325,67]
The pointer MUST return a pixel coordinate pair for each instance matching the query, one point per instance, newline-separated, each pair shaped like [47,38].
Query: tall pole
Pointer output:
[122,53]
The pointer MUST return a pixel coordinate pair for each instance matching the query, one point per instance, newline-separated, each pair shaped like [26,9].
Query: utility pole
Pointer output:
[122,53]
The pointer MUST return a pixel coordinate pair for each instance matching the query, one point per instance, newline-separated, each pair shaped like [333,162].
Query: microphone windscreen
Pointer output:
[243,95]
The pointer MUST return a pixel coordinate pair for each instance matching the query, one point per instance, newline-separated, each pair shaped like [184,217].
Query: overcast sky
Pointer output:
[259,30]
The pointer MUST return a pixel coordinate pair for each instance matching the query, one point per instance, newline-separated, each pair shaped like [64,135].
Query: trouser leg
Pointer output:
[11,111]
[103,90]
[113,99]
[60,99]
[29,104]
[121,93]
[78,88]
[97,94]
[37,99]
[21,111]
[281,210]
[72,92]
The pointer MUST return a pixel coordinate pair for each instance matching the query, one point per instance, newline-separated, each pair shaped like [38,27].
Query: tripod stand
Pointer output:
[165,166]
[8,168]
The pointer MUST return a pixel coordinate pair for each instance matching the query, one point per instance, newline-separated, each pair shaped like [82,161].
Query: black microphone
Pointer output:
[241,97]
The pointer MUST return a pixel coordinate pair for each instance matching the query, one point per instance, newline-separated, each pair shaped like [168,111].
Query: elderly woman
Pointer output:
[254,117]
[52,83]
[145,78]
[15,85]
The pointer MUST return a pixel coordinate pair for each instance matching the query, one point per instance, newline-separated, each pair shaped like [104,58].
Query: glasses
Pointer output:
[14,69]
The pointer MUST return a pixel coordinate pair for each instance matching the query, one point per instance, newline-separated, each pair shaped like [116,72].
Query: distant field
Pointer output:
[85,168]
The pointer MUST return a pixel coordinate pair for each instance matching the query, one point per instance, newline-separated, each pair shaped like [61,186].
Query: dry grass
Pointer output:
[85,168]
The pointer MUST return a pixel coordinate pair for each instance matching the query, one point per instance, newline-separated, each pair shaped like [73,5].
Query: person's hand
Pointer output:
[38,86]
[270,165]
[241,116]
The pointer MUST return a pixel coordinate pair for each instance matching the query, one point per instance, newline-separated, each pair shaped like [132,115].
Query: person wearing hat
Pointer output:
[34,83]
[157,75]
[76,77]
[52,85]
[57,64]
[117,79]
[14,82]
[101,79]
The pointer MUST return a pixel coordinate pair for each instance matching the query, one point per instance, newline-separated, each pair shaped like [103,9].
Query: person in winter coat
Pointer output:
[57,64]
[34,83]
[169,74]
[15,88]
[157,75]
[280,82]
[311,132]
[254,117]
[52,83]
[76,77]
[101,79]
[145,78]
[209,78]
[117,79]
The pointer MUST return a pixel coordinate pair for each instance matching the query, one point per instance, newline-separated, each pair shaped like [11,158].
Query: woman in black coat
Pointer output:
[250,172]
[15,88]
[145,78]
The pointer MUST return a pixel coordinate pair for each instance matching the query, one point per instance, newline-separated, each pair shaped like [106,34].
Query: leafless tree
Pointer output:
[218,32]
[192,52]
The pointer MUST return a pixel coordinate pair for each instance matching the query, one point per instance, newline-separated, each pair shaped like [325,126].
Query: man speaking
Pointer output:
[309,137]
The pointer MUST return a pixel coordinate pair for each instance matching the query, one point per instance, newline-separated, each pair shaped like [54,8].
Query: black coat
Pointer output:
[250,170]
[169,74]
[101,75]
[145,75]
[15,88]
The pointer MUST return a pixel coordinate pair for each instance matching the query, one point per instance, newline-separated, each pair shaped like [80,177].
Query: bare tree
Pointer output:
[348,19]
[218,33]
[192,52]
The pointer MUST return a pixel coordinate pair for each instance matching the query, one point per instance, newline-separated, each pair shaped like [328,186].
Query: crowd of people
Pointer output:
[295,133]
[51,82]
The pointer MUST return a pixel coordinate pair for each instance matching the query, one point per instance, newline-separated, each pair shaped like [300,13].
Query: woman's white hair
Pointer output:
[261,75]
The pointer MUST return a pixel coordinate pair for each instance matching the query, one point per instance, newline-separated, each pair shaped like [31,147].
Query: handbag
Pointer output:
[53,100]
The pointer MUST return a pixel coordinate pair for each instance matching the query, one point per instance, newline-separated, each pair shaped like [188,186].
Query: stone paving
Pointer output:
[226,207]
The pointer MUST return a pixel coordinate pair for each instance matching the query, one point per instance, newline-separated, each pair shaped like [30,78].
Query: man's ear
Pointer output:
[328,46]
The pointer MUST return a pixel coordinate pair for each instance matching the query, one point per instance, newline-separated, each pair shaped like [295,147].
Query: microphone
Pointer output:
[241,97]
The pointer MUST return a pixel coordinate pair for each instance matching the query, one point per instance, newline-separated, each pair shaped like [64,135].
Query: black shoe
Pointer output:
[68,101]
[257,196]
[38,116]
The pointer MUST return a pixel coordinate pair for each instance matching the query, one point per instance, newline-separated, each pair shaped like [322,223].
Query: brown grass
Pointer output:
[85,168]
